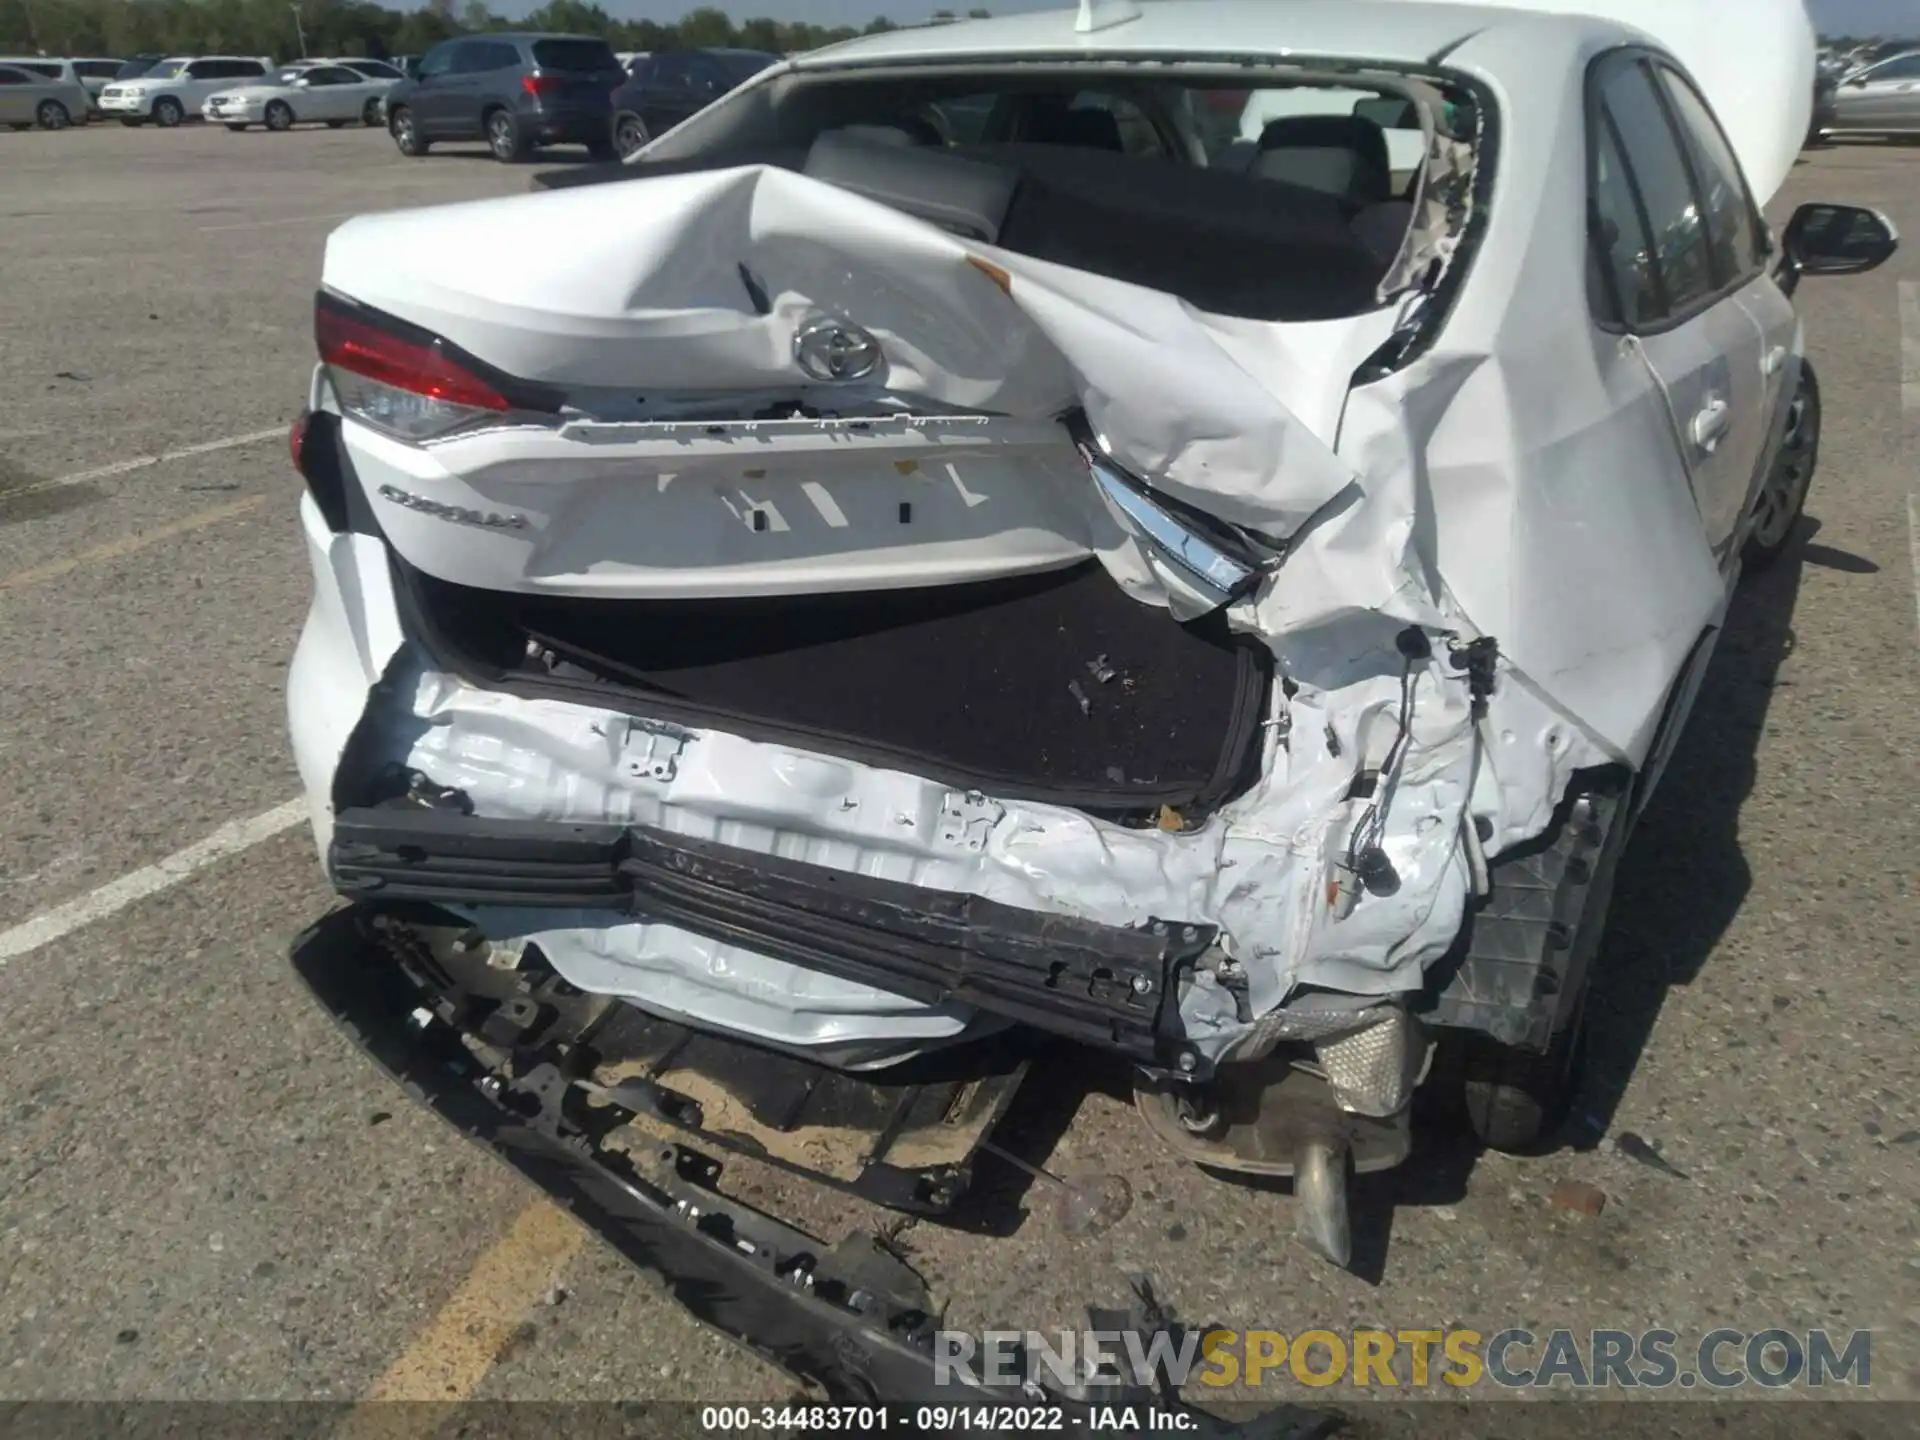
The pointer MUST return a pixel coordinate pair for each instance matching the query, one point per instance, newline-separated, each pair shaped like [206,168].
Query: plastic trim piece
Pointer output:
[1102,985]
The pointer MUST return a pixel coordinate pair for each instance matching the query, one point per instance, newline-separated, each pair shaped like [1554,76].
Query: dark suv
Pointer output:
[666,88]
[515,92]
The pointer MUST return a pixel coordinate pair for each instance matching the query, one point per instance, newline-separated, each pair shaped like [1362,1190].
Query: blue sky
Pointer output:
[1856,17]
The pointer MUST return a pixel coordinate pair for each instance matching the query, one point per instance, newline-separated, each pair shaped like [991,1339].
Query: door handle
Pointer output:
[1710,424]
[1775,357]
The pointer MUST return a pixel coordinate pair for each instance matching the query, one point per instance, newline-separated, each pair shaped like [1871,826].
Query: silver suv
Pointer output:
[176,88]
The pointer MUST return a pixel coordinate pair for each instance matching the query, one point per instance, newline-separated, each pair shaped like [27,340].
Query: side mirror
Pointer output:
[1836,240]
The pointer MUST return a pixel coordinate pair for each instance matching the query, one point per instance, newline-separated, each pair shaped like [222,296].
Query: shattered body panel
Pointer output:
[1509,465]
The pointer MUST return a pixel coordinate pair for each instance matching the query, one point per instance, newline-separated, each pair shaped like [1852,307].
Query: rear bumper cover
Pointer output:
[846,1317]
[1106,985]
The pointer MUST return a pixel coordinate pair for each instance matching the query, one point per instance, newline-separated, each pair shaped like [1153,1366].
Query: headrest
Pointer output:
[1088,128]
[1342,155]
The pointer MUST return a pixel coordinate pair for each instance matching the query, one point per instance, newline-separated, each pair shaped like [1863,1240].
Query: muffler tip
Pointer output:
[1320,1193]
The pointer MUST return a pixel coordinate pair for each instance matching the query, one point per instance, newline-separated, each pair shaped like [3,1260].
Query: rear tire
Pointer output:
[1512,1097]
[167,112]
[1783,495]
[629,134]
[406,137]
[52,115]
[504,138]
[279,116]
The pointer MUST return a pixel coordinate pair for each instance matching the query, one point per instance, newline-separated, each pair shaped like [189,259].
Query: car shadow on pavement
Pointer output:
[1683,877]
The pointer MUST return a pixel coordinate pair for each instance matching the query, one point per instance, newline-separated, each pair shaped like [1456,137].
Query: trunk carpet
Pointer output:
[974,684]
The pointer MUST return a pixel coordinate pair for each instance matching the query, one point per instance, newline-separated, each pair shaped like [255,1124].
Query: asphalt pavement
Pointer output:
[205,1193]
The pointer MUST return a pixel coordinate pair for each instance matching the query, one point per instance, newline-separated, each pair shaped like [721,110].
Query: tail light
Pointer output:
[402,382]
[540,86]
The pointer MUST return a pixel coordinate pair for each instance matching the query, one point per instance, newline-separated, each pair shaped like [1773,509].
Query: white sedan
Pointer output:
[300,95]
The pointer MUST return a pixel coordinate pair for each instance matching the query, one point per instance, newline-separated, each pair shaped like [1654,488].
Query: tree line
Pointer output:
[281,29]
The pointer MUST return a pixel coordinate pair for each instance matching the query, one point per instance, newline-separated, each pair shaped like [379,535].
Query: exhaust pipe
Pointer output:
[1320,1193]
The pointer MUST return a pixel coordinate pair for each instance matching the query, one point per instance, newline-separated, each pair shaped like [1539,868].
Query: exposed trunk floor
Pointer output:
[972,683]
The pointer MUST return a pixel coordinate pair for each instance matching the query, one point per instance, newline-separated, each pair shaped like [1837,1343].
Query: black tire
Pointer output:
[405,137]
[168,112]
[1514,1098]
[52,115]
[1783,494]
[279,115]
[236,126]
[370,115]
[629,133]
[130,124]
[504,138]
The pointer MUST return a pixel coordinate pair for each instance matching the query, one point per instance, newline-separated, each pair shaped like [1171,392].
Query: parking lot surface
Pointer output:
[205,1193]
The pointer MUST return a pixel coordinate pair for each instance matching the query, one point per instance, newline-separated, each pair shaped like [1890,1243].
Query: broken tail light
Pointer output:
[405,382]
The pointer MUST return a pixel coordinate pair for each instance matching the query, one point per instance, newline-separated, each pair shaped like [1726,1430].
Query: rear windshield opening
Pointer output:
[1277,202]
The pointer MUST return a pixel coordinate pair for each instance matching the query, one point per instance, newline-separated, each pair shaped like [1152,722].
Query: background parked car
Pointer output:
[665,89]
[1881,99]
[95,73]
[29,98]
[516,92]
[177,87]
[332,93]
[134,66]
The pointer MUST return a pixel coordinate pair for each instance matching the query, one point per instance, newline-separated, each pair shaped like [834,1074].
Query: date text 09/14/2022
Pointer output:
[940,1419]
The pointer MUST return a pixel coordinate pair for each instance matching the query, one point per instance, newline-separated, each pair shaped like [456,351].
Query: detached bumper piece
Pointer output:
[1102,985]
[850,1318]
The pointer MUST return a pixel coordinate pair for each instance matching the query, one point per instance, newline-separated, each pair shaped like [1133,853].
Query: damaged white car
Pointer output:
[974,540]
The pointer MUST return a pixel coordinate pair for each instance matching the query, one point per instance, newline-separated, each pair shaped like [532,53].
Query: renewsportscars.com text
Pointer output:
[1390,1359]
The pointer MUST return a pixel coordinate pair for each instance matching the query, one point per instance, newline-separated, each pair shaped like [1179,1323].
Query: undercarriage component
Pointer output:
[1320,1195]
[904,1138]
[850,1318]
[1104,985]
[1522,958]
[1254,1118]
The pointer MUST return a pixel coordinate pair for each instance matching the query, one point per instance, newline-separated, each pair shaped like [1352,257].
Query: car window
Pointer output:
[332,75]
[1907,67]
[246,69]
[10,76]
[1650,155]
[195,70]
[586,57]
[374,70]
[669,70]
[1733,227]
[1623,286]
[439,60]
[705,75]
[98,69]
[32,67]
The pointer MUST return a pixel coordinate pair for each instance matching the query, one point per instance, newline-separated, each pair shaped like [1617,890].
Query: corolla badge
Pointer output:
[830,349]
[458,514]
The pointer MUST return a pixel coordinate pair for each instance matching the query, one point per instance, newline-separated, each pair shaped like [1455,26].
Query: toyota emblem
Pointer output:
[831,350]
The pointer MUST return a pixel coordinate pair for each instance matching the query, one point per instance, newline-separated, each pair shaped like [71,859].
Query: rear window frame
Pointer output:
[543,63]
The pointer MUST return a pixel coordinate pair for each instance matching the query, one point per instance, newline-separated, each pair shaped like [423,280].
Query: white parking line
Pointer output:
[1913,550]
[229,839]
[141,462]
[1910,346]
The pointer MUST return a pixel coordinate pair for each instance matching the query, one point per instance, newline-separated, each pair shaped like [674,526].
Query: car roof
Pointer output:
[531,35]
[1398,31]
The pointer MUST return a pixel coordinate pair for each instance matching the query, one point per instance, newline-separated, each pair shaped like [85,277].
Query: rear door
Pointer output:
[668,97]
[486,74]
[1673,286]
[333,93]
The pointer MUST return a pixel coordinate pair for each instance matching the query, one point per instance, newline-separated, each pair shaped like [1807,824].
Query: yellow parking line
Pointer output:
[449,1358]
[130,544]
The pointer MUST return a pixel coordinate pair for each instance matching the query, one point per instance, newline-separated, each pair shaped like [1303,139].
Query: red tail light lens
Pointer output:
[540,85]
[362,349]
[401,381]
